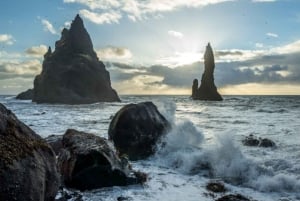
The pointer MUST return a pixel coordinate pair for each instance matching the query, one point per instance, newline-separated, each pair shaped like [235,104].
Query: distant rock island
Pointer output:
[207,89]
[73,74]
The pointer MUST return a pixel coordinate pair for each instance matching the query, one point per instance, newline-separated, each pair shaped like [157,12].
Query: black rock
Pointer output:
[27,163]
[26,95]
[233,197]
[207,89]
[251,140]
[73,74]
[88,162]
[216,187]
[136,129]
[55,141]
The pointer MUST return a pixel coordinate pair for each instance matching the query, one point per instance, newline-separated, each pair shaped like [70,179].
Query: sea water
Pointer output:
[204,145]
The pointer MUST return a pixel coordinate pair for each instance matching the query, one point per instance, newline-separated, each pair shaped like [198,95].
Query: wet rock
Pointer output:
[26,95]
[266,143]
[216,187]
[88,162]
[233,197]
[27,163]
[251,140]
[136,129]
[65,195]
[55,141]
[73,74]
[207,89]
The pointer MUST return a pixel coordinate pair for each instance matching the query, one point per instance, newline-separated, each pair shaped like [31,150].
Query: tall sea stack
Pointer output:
[207,89]
[73,74]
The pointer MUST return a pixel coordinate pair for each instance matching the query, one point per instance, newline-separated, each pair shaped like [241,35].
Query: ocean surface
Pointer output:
[203,133]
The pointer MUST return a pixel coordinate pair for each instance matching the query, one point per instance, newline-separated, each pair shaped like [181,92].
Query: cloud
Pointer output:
[135,9]
[274,35]
[48,26]
[6,39]
[36,51]
[12,69]
[101,18]
[175,34]
[112,53]
[97,4]
[259,45]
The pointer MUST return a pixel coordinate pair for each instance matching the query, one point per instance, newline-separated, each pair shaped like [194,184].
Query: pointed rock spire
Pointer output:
[207,89]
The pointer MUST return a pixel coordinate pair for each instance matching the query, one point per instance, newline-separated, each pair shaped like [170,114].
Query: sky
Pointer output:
[157,46]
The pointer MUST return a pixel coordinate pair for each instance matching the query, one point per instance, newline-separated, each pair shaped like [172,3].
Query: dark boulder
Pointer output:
[216,187]
[253,141]
[233,197]
[88,162]
[55,141]
[207,89]
[136,129]
[26,95]
[27,163]
[73,74]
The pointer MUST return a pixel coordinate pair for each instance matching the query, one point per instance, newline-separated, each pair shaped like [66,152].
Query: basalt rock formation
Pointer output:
[136,129]
[26,95]
[207,89]
[27,163]
[73,74]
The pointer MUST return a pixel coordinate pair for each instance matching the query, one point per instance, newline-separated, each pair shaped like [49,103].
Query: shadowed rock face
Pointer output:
[207,89]
[27,164]
[88,162]
[26,95]
[73,74]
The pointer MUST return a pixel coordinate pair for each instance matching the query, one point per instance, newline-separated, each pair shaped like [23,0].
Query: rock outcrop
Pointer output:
[88,162]
[136,128]
[26,95]
[253,141]
[207,89]
[27,163]
[73,74]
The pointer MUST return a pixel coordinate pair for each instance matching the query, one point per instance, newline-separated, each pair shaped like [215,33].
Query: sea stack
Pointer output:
[72,73]
[207,89]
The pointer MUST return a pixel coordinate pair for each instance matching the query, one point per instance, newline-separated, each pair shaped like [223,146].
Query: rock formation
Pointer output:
[27,163]
[26,95]
[73,74]
[136,129]
[207,89]
[88,162]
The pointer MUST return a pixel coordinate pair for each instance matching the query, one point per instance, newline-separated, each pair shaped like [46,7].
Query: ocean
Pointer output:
[203,133]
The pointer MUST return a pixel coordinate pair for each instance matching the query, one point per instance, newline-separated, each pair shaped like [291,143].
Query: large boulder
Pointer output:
[73,74]
[26,95]
[207,89]
[27,164]
[136,128]
[88,162]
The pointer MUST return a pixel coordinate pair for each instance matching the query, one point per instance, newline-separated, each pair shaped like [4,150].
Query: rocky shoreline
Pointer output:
[78,161]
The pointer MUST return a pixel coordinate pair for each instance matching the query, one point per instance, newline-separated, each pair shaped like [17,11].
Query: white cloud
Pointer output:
[48,26]
[21,68]
[114,54]
[6,39]
[136,9]
[37,51]
[175,34]
[259,45]
[97,4]
[274,35]
[101,18]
